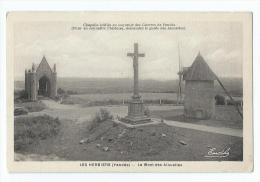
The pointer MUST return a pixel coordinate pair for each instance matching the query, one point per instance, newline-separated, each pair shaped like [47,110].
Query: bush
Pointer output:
[23,94]
[57,98]
[100,117]
[67,100]
[147,112]
[104,115]
[33,106]
[31,130]
[220,100]
[60,91]
[230,102]
[20,96]
[102,103]
[20,111]
[71,92]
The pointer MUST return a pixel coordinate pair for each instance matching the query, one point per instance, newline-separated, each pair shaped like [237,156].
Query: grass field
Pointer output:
[118,99]
[121,96]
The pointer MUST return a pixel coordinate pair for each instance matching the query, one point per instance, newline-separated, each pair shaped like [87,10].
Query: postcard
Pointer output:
[125,91]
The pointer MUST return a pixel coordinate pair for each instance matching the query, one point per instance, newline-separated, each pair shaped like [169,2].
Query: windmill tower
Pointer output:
[180,74]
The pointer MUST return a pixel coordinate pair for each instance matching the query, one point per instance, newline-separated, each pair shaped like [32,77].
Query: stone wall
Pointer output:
[32,86]
[199,101]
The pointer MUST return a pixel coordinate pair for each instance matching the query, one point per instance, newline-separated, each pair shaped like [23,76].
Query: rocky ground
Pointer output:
[111,141]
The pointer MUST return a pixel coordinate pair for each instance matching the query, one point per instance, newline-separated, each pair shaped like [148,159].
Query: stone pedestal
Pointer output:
[136,111]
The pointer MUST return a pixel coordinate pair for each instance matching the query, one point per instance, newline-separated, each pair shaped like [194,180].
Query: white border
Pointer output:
[178,6]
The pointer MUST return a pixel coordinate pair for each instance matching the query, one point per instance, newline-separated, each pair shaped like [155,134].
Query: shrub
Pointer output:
[67,102]
[34,106]
[60,91]
[147,112]
[23,94]
[104,115]
[57,98]
[220,100]
[230,102]
[30,130]
[30,106]
[102,103]
[20,111]
[66,99]
[20,96]
[100,117]
[71,92]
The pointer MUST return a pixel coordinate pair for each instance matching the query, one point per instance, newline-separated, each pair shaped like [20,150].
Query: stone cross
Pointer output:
[135,57]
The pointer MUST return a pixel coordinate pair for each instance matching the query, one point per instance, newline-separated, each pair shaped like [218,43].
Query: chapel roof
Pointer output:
[43,63]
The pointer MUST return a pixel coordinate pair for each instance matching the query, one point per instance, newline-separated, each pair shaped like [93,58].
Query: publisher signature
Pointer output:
[213,152]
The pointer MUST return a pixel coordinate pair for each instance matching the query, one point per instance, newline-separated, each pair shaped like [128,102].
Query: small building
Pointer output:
[199,100]
[41,81]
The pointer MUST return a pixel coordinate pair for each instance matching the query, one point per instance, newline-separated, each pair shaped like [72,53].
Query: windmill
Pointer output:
[180,73]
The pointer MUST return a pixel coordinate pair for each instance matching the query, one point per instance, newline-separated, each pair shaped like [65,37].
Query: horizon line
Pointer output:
[22,78]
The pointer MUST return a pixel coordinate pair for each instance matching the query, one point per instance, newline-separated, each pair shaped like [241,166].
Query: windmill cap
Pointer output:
[200,70]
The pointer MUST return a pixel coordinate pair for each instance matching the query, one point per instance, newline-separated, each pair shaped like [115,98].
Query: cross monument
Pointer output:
[135,57]
[136,106]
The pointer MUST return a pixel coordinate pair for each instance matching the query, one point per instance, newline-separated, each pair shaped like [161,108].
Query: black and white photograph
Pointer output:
[131,90]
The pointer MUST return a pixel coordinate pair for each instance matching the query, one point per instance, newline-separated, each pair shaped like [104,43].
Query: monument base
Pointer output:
[136,113]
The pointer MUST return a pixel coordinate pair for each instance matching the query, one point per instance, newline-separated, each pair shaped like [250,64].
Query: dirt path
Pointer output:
[210,129]
[56,105]
[79,114]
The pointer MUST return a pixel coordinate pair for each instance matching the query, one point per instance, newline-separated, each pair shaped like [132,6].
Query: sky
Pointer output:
[102,54]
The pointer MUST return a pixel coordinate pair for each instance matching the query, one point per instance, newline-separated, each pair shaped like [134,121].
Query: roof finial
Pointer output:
[199,54]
